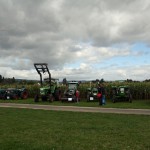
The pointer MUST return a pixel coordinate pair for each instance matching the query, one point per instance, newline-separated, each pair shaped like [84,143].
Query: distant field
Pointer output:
[27,129]
[141,104]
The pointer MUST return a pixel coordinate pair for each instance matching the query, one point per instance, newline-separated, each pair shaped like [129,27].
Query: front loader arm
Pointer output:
[42,68]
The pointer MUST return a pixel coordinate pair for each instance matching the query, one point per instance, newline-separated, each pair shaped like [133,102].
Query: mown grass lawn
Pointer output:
[137,104]
[25,129]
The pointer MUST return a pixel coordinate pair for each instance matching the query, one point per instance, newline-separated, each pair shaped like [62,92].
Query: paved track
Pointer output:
[79,109]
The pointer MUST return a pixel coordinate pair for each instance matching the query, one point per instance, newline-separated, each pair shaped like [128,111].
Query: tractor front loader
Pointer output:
[49,91]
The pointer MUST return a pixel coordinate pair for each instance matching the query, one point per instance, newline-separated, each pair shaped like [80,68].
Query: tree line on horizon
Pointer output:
[5,80]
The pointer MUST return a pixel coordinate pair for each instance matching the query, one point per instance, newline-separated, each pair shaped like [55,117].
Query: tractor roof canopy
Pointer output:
[73,84]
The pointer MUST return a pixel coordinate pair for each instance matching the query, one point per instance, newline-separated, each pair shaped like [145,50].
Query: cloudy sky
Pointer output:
[79,39]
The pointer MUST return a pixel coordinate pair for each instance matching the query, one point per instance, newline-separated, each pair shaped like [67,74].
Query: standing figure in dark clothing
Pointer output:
[101,93]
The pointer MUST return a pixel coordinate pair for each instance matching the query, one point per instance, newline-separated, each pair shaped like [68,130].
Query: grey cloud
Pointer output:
[107,22]
[49,31]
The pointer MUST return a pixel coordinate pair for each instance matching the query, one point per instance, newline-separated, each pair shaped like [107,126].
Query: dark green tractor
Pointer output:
[49,90]
[91,94]
[13,93]
[121,93]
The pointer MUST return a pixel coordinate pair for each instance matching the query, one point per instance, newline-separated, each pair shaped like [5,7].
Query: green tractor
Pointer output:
[91,94]
[49,90]
[70,94]
[121,93]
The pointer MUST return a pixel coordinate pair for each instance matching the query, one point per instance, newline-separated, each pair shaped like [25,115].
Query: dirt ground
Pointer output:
[79,109]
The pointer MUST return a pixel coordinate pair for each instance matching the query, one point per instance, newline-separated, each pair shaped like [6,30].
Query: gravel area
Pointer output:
[79,109]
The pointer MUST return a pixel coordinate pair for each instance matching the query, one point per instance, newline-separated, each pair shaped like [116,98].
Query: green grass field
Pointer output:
[137,104]
[25,129]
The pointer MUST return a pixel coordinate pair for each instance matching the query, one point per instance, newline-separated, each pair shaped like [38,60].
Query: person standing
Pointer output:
[77,96]
[99,95]
[103,94]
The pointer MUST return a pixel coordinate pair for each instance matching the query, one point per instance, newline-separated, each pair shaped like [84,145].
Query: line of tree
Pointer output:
[12,80]
[6,80]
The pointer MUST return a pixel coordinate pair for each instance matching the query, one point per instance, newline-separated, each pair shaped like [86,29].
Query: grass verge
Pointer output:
[27,129]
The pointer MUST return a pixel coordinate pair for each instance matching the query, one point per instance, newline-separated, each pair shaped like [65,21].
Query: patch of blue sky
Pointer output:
[145,52]
[140,54]
[140,46]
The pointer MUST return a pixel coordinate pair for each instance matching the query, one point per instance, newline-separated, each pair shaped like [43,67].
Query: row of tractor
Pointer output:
[51,90]
[118,93]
